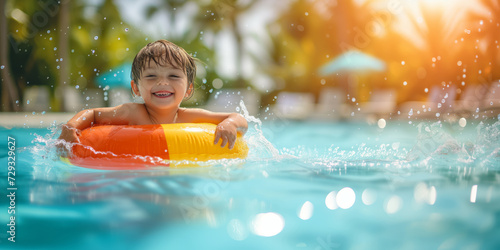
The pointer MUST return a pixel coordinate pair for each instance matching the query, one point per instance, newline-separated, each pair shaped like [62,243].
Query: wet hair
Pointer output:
[164,52]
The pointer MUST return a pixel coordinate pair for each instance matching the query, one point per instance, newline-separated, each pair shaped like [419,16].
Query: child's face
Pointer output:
[162,86]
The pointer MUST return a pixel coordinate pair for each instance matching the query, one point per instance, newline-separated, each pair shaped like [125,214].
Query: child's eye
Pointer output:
[174,76]
[150,76]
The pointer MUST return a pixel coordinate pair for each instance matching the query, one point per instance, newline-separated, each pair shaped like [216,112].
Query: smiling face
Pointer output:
[162,86]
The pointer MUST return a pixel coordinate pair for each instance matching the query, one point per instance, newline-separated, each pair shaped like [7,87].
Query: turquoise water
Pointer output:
[305,185]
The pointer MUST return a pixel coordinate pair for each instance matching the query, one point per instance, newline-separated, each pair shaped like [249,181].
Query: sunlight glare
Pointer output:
[330,201]
[368,197]
[346,198]
[268,224]
[306,211]
[393,205]
[473,194]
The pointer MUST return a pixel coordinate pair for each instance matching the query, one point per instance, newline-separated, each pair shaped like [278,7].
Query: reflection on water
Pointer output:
[424,187]
[267,224]
[306,211]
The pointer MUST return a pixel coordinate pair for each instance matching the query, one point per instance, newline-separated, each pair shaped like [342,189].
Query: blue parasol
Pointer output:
[119,77]
[353,61]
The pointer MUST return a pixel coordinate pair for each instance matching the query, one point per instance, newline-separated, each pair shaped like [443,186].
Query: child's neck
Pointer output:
[162,116]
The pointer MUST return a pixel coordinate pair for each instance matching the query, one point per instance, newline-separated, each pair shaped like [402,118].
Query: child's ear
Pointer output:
[135,88]
[189,90]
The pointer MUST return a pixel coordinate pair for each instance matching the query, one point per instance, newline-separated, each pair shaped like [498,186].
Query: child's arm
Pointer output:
[228,124]
[86,118]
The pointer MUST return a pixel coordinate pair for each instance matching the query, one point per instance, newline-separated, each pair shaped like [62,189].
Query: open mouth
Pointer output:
[163,94]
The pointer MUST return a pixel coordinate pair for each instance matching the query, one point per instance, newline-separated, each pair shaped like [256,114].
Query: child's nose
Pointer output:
[163,81]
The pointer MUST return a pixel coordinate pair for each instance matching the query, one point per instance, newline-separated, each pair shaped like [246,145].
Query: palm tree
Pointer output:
[438,29]
[63,48]
[217,15]
[10,93]
[486,24]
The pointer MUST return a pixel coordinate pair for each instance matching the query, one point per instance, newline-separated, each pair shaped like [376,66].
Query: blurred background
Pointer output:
[325,59]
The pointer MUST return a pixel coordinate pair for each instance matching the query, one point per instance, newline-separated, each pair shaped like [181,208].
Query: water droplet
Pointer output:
[28,102]
[381,123]
[353,99]
[126,29]
[405,83]
[459,63]
[2,67]
[77,86]
[403,62]
[84,118]
[426,90]
[438,114]
[55,48]
[96,37]
[462,122]
[411,112]
[87,98]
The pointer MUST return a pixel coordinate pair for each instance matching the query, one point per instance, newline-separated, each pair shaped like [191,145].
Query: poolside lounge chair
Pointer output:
[492,99]
[470,100]
[93,98]
[294,105]
[440,101]
[72,100]
[381,105]
[331,104]
[36,99]
[118,96]
[227,100]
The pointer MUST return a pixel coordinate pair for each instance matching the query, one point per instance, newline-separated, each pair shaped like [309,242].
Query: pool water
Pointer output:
[305,185]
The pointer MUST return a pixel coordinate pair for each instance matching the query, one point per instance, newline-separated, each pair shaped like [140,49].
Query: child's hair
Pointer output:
[164,52]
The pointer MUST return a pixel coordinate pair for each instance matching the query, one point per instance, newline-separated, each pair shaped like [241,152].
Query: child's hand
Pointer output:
[68,135]
[227,131]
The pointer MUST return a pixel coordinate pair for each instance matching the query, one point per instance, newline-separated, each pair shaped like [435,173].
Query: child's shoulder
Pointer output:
[132,112]
[191,111]
[190,114]
[132,106]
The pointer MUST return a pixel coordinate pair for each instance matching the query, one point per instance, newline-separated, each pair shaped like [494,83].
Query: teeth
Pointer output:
[162,94]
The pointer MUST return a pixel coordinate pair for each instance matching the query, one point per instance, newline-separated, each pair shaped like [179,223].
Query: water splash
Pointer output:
[437,147]
[259,146]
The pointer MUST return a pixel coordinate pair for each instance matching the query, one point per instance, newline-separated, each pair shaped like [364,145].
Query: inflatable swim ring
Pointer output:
[115,146]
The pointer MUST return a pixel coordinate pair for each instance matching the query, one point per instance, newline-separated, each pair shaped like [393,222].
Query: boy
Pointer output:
[163,75]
